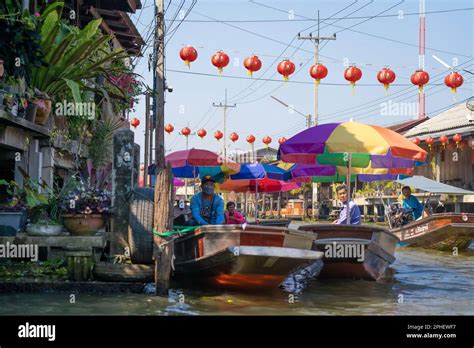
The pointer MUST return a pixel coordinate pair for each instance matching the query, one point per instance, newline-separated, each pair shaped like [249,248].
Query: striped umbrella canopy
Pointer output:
[369,146]
[197,163]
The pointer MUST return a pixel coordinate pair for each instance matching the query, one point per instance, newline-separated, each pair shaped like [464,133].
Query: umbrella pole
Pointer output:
[256,199]
[348,217]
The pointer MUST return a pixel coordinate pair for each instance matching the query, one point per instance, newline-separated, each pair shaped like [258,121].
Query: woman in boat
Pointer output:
[411,202]
[207,207]
[232,216]
[342,195]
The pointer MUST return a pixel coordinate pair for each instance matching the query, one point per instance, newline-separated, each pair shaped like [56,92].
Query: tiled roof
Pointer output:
[451,121]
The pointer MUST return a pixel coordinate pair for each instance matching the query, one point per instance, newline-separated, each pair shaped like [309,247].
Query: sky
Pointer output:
[369,34]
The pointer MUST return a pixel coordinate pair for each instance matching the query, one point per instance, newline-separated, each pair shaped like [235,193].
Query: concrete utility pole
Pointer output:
[316,40]
[225,106]
[163,197]
[147,139]
[421,58]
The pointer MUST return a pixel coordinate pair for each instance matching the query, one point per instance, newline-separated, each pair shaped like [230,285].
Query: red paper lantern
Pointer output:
[318,72]
[457,139]
[429,141]
[416,141]
[386,76]
[234,137]
[352,74]
[267,140]
[286,68]
[281,140]
[250,139]
[201,133]
[135,122]
[453,80]
[444,140]
[420,78]
[186,131]
[220,60]
[188,54]
[218,135]
[169,128]
[252,64]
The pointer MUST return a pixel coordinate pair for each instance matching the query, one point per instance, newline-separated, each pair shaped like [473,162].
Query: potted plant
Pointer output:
[44,217]
[14,208]
[43,107]
[84,207]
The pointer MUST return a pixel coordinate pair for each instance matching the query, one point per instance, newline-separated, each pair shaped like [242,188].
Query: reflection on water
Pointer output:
[425,283]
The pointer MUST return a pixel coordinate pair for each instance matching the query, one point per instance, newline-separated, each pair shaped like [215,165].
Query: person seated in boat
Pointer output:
[232,216]
[411,202]
[207,207]
[343,196]
[181,212]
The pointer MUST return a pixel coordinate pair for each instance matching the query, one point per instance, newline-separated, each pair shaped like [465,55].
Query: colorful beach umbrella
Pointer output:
[355,148]
[330,144]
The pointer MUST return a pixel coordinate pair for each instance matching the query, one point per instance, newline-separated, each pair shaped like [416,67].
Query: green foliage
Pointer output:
[51,268]
[102,137]
[72,55]
[19,40]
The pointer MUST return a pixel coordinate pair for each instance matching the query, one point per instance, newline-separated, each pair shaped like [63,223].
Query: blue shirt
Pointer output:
[413,203]
[204,214]
[355,214]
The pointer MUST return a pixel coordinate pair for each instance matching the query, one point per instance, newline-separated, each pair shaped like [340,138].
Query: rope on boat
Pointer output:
[178,229]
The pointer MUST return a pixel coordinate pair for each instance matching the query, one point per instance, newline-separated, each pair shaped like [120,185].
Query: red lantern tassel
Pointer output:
[353,87]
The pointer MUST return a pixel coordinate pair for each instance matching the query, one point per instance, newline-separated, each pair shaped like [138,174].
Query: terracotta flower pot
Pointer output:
[82,224]
[43,111]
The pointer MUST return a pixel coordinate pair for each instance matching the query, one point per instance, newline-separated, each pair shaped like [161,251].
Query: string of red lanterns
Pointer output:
[286,67]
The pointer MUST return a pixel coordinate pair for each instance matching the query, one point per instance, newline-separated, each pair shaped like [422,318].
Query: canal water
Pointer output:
[424,283]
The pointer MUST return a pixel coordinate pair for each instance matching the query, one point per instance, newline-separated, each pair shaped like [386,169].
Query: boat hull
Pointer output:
[439,231]
[354,251]
[233,257]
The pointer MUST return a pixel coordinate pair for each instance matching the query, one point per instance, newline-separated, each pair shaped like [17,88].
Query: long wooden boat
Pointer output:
[241,257]
[353,251]
[443,231]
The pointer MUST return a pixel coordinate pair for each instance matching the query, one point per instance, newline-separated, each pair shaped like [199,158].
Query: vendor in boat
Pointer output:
[232,216]
[206,206]
[342,195]
[411,202]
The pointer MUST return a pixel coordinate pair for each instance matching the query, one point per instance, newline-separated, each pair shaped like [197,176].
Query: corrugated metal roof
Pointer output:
[428,185]
[451,121]
[405,126]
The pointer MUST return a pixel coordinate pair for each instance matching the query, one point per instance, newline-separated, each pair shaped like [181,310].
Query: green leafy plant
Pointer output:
[72,55]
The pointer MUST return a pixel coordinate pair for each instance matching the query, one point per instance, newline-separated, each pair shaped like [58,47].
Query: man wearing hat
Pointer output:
[206,206]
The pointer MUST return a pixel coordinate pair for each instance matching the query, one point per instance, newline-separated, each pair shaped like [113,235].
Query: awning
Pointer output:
[421,183]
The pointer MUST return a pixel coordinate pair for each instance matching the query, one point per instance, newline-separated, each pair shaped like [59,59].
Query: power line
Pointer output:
[269,67]
[289,81]
[312,20]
